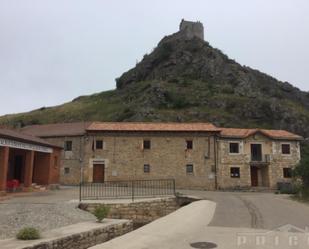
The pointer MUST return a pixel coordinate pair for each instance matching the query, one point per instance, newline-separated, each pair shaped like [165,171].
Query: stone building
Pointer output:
[73,138]
[196,155]
[123,151]
[26,159]
[192,29]
[256,157]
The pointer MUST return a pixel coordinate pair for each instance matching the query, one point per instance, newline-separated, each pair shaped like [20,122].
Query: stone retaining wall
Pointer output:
[141,212]
[77,236]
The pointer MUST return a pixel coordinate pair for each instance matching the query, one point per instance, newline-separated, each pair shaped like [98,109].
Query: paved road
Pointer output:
[255,210]
[189,227]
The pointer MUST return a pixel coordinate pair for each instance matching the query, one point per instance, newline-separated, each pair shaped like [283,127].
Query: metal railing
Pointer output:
[263,159]
[127,189]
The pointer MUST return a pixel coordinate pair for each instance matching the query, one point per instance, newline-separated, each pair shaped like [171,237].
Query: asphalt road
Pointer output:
[255,210]
[229,219]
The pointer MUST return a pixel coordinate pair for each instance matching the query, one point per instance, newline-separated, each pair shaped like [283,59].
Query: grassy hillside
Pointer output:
[186,80]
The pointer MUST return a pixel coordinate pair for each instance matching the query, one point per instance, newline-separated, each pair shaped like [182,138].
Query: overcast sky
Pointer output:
[52,51]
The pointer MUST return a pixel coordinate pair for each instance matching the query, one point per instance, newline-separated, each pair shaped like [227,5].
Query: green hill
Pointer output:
[186,80]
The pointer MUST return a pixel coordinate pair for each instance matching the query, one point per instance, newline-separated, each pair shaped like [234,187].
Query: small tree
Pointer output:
[302,169]
[101,212]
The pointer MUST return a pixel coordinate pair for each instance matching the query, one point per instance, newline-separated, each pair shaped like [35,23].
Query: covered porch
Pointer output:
[25,160]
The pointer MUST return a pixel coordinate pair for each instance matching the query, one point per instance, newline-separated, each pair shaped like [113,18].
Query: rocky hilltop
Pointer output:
[185,79]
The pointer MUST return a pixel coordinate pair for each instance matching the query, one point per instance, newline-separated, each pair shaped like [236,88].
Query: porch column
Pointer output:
[4,164]
[28,168]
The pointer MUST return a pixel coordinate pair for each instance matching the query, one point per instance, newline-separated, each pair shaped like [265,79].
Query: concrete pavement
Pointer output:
[229,219]
[170,231]
[255,210]
[190,227]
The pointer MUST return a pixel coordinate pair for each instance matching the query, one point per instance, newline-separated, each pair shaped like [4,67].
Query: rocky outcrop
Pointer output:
[185,79]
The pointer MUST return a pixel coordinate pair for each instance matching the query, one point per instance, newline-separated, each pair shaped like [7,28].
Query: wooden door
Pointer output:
[98,173]
[254,177]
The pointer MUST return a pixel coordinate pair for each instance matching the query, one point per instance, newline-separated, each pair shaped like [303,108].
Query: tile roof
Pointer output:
[80,128]
[144,126]
[15,135]
[57,130]
[274,134]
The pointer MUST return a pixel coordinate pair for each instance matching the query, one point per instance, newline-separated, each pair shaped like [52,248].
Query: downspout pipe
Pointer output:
[216,159]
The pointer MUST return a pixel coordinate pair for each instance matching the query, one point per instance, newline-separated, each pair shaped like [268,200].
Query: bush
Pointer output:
[176,101]
[101,212]
[28,233]
[301,171]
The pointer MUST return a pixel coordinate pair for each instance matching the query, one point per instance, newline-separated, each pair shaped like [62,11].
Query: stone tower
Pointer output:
[192,29]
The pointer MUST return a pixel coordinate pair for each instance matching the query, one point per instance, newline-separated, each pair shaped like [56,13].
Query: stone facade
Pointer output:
[207,165]
[192,29]
[124,157]
[269,169]
[72,161]
[140,212]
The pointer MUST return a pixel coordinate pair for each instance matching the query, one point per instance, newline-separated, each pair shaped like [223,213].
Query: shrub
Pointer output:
[176,101]
[28,233]
[303,194]
[301,172]
[302,169]
[101,212]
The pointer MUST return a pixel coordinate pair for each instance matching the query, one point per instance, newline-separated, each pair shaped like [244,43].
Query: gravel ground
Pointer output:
[45,212]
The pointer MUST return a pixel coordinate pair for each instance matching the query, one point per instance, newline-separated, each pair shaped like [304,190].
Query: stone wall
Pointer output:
[124,157]
[71,161]
[268,174]
[141,212]
[79,239]
[192,29]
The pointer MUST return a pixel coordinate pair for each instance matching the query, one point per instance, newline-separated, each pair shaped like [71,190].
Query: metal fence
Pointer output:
[127,189]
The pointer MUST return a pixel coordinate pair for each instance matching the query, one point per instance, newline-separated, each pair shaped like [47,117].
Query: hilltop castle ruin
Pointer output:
[192,29]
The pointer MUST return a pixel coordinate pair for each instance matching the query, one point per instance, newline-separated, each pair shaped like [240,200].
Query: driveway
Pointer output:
[255,210]
[197,226]
[44,210]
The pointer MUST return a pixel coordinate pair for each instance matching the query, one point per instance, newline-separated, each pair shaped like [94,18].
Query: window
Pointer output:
[234,148]
[99,145]
[189,168]
[66,171]
[285,148]
[287,172]
[68,145]
[146,168]
[235,172]
[146,144]
[189,144]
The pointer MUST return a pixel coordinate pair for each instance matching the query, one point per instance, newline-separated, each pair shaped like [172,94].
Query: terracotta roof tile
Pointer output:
[57,130]
[139,126]
[274,134]
[11,134]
